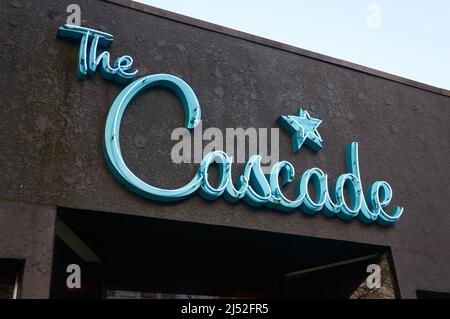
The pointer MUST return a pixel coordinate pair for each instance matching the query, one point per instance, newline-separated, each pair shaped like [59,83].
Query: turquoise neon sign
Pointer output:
[253,187]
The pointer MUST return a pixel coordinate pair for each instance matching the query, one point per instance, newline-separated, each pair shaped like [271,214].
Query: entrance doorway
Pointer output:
[123,256]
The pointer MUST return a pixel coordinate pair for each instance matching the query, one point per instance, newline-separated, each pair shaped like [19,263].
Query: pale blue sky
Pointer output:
[409,38]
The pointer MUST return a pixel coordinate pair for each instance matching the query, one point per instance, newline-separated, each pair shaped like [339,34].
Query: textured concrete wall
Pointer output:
[26,234]
[51,127]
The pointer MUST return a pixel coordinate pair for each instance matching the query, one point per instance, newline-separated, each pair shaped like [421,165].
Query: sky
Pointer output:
[408,38]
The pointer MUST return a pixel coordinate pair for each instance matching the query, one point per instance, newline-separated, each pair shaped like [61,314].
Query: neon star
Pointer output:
[304,128]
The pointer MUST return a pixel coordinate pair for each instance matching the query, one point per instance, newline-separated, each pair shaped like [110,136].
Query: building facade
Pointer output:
[68,199]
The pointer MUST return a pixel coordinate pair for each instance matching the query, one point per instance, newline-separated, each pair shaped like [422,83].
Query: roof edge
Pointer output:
[274,44]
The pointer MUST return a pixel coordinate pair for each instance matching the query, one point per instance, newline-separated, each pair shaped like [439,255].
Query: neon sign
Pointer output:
[88,63]
[253,187]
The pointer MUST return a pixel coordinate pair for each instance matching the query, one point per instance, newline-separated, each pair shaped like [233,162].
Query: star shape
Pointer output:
[304,128]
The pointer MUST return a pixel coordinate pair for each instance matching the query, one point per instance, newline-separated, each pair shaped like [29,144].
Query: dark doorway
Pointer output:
[138,257]
[10,278]
[425,294]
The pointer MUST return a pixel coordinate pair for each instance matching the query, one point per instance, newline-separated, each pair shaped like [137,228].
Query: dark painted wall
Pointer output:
[27,235]
[51,128]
